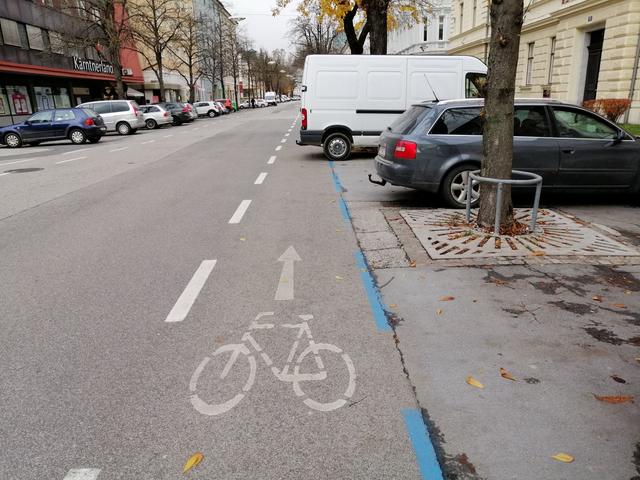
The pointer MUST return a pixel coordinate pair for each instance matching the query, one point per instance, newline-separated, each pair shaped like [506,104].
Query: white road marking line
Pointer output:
[82,474]
[260,178]
[285,284]
[283,140]
[167,136]
[71,160]
[272,160]
[19,161]
[182,307]
[76,151]
[286,134]
[278,148]
[197,128]
[148,141]
[240,211]
[10,152]
[3,174]
[118,149]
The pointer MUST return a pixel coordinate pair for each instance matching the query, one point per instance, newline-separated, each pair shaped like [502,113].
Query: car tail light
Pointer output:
[89,122]
[185,109]
[406,150]
[136,112]
[304,118]
[166,114]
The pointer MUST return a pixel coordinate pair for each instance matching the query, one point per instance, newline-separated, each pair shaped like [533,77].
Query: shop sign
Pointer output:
[86,65]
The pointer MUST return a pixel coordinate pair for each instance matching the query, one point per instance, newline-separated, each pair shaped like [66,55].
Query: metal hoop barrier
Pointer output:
[533,179]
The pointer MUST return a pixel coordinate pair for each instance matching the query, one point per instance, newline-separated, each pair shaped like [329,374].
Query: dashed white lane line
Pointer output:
[19,161]
[3,174]
[118,149]
[10,152]
[70,160]
[182,307]
[148,141]
[260,178]
[283,140]
[197,128]
[82,474]
[75,151]
[272,160]
[168,136]
[240,211]
[278,148]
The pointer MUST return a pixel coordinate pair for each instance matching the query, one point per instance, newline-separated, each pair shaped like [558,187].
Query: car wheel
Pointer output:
[150,123]
[337,146]
[211,113]
[455,187]
[13,140]
[93,139]
[77,136]
[123,128]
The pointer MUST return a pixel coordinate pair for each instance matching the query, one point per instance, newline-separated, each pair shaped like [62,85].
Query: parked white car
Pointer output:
[155,116]
[261,102]
[122,116]
[210,109]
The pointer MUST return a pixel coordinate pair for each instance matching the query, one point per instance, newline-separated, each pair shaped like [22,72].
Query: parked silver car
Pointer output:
[122,116]
[155,116]
[210,109]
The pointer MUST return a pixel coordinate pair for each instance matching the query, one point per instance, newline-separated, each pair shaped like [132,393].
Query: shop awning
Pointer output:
[132,92]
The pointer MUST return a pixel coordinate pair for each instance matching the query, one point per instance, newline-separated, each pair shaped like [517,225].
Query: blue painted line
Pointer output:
[377,307]
[344,210]
[425,453]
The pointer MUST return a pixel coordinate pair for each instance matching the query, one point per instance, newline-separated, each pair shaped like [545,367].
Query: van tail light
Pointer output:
[136,112]
[406,150]
[89,122]
[166,114]
[304,118]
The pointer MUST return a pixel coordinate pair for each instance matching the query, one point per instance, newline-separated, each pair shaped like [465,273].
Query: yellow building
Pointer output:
[572,50]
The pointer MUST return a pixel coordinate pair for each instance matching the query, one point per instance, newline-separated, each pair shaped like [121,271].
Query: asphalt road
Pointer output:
[101,245]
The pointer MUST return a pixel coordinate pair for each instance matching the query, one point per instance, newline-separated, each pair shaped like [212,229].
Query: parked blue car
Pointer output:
[76,124]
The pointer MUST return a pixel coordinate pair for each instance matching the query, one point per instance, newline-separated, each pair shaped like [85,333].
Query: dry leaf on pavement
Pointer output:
[618,379]
[538,253]
[439,311]
[338,277]
[563,457]
[507,375]
[447,298]
[597,298]
[615,399]
[393,305]
[473,382]
[413,264]
[618,305]
[194,460]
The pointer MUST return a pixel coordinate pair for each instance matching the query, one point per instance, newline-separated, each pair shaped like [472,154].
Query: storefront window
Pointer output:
[4,104]
[19,100]
[44,98]
[61,98]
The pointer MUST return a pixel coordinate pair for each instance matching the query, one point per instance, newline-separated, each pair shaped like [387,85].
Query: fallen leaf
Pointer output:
[194,460]
[597,298]
[393,305]
[242,239]
[618,305]
[638,359]
[507,375]
[413,264]
[473,382]
[615,399]
[627,292]
[538,253]
[618,379]
[447,298]
[439,311]
[338,277]
[563,457]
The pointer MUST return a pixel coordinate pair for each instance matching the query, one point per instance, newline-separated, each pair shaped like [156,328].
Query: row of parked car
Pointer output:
[89,121]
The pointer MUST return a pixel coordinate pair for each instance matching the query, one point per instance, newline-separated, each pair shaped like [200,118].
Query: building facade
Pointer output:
[429,37]
[39,69]
[573,50]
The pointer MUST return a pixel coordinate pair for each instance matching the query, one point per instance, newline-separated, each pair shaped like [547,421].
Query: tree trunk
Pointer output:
[350,32]
[160,75]
[377,19]
[506,24]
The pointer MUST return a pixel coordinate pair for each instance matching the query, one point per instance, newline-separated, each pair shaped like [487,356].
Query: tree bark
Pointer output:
[506,24]
[355,45]
[160,75]
[377,19]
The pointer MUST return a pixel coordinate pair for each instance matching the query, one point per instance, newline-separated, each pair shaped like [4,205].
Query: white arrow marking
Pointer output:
[285,286]
[82,474]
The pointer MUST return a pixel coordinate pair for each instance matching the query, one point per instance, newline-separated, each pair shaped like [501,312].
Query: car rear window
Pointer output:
[89,113]
[119,107]
[406,122]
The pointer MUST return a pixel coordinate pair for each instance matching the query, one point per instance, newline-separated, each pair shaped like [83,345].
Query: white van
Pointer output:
[349,100]
[270,98]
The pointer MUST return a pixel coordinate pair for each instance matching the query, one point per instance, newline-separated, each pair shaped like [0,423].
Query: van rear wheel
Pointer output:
[337,146]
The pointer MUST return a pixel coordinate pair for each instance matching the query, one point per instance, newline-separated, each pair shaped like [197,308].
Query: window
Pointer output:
[441,27]
[409,120]
[34,35]
[119,107]
[64,116]
[578,124]
[102,108]
[41,117]
[461,16]
[19,100]
[529,76]
[56,42]
[474,85]
[530,122]
[44,98]
[10,32]
[459,121]
[61,97]
[153,109]
[475,11]
[552,54]
[425,30]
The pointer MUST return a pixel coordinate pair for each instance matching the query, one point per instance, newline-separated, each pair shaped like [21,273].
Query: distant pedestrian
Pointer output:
[253,103]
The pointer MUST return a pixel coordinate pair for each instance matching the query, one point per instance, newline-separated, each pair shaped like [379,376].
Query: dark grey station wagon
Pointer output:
[433,147]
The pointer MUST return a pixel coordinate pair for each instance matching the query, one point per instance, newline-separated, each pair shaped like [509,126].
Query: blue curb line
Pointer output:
[425,453]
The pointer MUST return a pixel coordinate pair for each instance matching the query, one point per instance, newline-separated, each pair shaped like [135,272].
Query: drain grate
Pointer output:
[444,234]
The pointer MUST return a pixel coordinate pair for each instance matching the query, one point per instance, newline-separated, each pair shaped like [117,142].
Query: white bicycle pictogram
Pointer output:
[236,350]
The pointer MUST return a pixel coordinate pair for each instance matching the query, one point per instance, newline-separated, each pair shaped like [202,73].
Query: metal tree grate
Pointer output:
[445,234]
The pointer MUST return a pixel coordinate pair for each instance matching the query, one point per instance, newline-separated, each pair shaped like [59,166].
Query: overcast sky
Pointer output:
[265,30]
